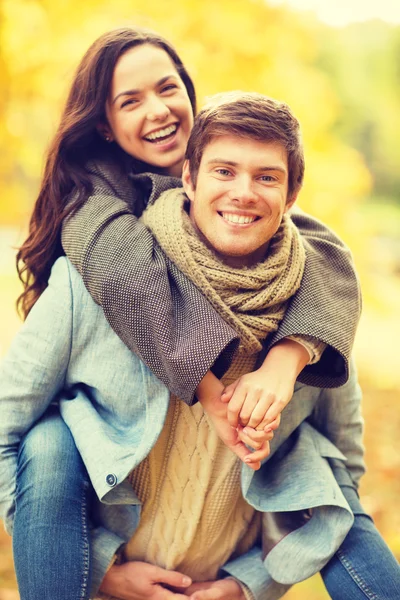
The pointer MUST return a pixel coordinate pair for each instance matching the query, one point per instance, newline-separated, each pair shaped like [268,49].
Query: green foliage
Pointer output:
[363,62]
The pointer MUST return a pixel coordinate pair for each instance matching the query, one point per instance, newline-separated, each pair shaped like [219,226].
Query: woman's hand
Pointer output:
[258,398]
[142,581]
[222,589]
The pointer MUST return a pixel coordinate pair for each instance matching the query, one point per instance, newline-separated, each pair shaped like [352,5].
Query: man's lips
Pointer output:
[238,218]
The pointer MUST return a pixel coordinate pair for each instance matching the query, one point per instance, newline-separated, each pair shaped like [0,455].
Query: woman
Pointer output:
[67,175]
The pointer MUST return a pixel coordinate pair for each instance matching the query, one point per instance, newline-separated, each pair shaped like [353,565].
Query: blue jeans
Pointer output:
[363,567]
[50,535]
[51,539]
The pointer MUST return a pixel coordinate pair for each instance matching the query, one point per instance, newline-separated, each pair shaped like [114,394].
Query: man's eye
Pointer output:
[267,178]
[223,172]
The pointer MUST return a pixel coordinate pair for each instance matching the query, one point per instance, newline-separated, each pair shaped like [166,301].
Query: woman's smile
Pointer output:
[159,136]
[149,113]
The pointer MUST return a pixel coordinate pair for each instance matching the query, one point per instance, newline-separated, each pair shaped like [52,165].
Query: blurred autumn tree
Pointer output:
[226,45]
[353,57]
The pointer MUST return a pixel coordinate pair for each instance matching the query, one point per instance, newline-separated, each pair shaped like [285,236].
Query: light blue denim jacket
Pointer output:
[116,408]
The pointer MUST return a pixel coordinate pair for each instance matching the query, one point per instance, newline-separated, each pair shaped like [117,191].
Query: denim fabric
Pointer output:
[363,568]
[51,538]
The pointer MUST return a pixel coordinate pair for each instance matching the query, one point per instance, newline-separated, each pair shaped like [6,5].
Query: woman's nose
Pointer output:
[157,110]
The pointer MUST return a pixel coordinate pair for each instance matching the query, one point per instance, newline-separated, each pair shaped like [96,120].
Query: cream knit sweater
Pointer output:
[194,516]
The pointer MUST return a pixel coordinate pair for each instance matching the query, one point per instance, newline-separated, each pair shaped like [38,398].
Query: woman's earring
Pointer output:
[108,138]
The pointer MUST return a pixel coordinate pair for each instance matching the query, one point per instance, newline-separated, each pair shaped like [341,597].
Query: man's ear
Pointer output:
[105,131]
[187,181]
[290,201]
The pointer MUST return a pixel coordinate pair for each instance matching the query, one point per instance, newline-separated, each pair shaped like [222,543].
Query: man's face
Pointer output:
[240,197]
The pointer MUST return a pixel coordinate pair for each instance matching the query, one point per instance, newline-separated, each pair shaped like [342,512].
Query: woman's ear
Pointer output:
[187,181]
[105,132]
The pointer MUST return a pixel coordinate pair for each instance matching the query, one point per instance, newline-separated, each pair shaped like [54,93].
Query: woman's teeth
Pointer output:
[161,134]
[241,219]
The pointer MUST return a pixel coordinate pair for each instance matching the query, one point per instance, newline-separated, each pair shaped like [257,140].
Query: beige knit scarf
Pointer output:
[252,300]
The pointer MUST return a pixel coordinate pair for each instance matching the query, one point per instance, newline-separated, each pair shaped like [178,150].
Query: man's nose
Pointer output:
[157,110]
[243,190]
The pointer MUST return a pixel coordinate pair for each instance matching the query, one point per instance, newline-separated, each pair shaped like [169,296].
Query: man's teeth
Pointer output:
[161,133]
[241,219]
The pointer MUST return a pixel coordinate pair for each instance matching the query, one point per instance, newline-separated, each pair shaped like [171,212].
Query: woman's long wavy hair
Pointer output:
[77,141]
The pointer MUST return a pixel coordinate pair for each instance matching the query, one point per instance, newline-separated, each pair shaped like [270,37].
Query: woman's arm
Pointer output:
[164,319]
[327,306]
[156,311]
[31,374]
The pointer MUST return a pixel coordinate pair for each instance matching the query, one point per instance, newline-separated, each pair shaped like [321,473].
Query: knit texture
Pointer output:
[313,346]
[156,311]
[194,517]
[153,307]
[252,300]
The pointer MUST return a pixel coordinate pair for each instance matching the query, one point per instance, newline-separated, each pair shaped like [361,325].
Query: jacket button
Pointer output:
[111,479]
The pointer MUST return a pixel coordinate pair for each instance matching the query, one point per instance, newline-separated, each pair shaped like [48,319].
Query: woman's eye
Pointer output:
[169,87]
[129,102]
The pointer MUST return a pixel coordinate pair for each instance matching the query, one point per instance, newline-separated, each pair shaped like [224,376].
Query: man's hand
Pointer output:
[209,395]
[222,589]
[142,581]
[255,438]
[258,398]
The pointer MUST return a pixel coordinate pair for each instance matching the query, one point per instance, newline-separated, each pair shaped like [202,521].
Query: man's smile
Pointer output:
[238,218]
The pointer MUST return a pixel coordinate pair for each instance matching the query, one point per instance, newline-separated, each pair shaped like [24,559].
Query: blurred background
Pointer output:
[337,65]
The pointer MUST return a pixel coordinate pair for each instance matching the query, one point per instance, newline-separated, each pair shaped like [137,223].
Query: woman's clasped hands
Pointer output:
[141,581]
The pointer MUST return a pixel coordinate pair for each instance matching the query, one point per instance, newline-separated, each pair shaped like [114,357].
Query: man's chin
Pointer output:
[236,259]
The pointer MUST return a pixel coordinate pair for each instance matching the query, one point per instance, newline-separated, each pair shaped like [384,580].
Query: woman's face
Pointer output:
[148,109]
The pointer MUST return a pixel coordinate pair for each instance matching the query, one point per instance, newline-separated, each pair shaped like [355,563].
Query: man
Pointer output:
[242,175]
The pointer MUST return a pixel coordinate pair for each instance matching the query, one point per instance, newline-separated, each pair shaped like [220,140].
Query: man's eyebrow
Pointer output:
[134,92]
[274,168]
[233,163]
[214,161]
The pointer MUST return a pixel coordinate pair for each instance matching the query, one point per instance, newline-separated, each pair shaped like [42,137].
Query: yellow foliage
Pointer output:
[241,45]
[226,44]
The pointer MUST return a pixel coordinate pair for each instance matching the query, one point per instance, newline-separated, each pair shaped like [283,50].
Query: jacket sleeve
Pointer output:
[105,545]
[31,374]
[338,416]
[328,304]
[250,570]
[155,310]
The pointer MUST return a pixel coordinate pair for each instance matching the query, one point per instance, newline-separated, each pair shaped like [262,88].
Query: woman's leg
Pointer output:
[50,534]
[363,567]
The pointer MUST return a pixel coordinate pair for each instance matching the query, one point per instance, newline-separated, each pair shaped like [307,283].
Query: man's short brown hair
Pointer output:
[248,115]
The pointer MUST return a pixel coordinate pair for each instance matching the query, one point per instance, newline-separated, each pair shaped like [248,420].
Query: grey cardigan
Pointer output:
[162,317]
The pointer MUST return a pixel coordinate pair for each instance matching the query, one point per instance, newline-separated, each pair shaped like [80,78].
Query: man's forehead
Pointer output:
[235,150]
